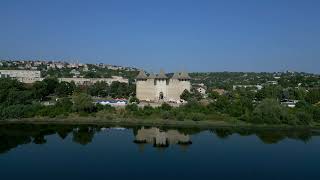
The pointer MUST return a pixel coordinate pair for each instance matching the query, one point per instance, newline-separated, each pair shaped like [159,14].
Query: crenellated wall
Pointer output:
[150,89]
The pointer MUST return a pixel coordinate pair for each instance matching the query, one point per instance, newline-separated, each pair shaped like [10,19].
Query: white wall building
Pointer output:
[90,81]
[25,76]
[28,76]
[201,90]
[21,73]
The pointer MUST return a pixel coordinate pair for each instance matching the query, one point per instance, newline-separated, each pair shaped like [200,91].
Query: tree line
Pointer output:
[18,100]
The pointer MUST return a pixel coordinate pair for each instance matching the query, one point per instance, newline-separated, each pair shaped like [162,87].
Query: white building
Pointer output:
[28,76]
[25,76]
[258,87]
[201,90]
[21,73]
[90,81]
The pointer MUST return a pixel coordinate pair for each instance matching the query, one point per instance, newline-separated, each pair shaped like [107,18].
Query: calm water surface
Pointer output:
[102,152]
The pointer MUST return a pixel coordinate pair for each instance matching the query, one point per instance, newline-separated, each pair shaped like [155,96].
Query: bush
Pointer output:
[180,116]
[316,114]
[65,104]
[304,118]
[269,111]
[132,108]
[83,103]
[166,107]
[19,111]
[148,110]
[197,117]
[165,115]
[134,100]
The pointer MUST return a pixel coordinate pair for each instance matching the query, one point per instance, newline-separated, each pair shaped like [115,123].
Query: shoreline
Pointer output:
[149,122]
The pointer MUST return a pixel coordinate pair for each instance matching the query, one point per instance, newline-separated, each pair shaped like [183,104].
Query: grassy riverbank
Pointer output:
[74,120]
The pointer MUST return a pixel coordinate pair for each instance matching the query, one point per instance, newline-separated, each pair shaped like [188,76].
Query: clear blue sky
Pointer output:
[198,35]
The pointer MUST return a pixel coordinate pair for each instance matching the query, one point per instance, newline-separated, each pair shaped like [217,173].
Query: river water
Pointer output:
[104,152]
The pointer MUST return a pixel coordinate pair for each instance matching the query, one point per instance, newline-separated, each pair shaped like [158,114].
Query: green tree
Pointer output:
[186,95]
[64,89]
[83,103]
[271,91]
[313,96]
[120,90]
[65,104]
[132,108]
[213,95]
[51,84]
[269,111]
[40,90]
[91,74]
[100,89]
[134,100]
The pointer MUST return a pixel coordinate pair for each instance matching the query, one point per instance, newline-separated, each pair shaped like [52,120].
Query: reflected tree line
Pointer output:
[13,135]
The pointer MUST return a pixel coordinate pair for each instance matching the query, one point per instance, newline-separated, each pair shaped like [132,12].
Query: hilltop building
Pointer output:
[91,81]
[160,87]
[29,77]
[21,73]
[26,76]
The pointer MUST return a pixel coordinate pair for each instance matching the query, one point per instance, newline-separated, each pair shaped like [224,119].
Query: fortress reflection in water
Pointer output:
[161,138]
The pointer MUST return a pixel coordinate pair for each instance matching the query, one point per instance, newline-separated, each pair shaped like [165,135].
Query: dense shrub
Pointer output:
[316,114]
[304,117]
[134,100]
[65,104]
[269,112]
[165,115]
[165,107]
[197,117]
[148,110]
[180,116]
[19,111]
[132,108]
[83,103]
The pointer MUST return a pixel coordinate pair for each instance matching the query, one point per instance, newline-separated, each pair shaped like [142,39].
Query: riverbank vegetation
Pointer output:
[18,100]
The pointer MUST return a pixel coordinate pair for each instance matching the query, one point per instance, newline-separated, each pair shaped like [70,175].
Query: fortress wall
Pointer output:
[174,91]
[149,90]
[161,86]
[185,85]
[145,90]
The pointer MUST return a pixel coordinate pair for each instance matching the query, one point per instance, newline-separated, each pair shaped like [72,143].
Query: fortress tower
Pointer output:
[160,87]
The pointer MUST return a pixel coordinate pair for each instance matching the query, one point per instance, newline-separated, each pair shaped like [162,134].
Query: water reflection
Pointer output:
[160,138]
[14,135]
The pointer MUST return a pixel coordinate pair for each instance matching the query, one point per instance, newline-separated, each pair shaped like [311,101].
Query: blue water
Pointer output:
[89,152]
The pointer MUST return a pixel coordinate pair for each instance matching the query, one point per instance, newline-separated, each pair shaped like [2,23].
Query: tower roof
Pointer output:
[152,76]
[142,75]
[176,75]
[184,75]
[161,75]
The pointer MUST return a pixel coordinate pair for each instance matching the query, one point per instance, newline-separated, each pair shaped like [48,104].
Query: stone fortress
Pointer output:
[160,87]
